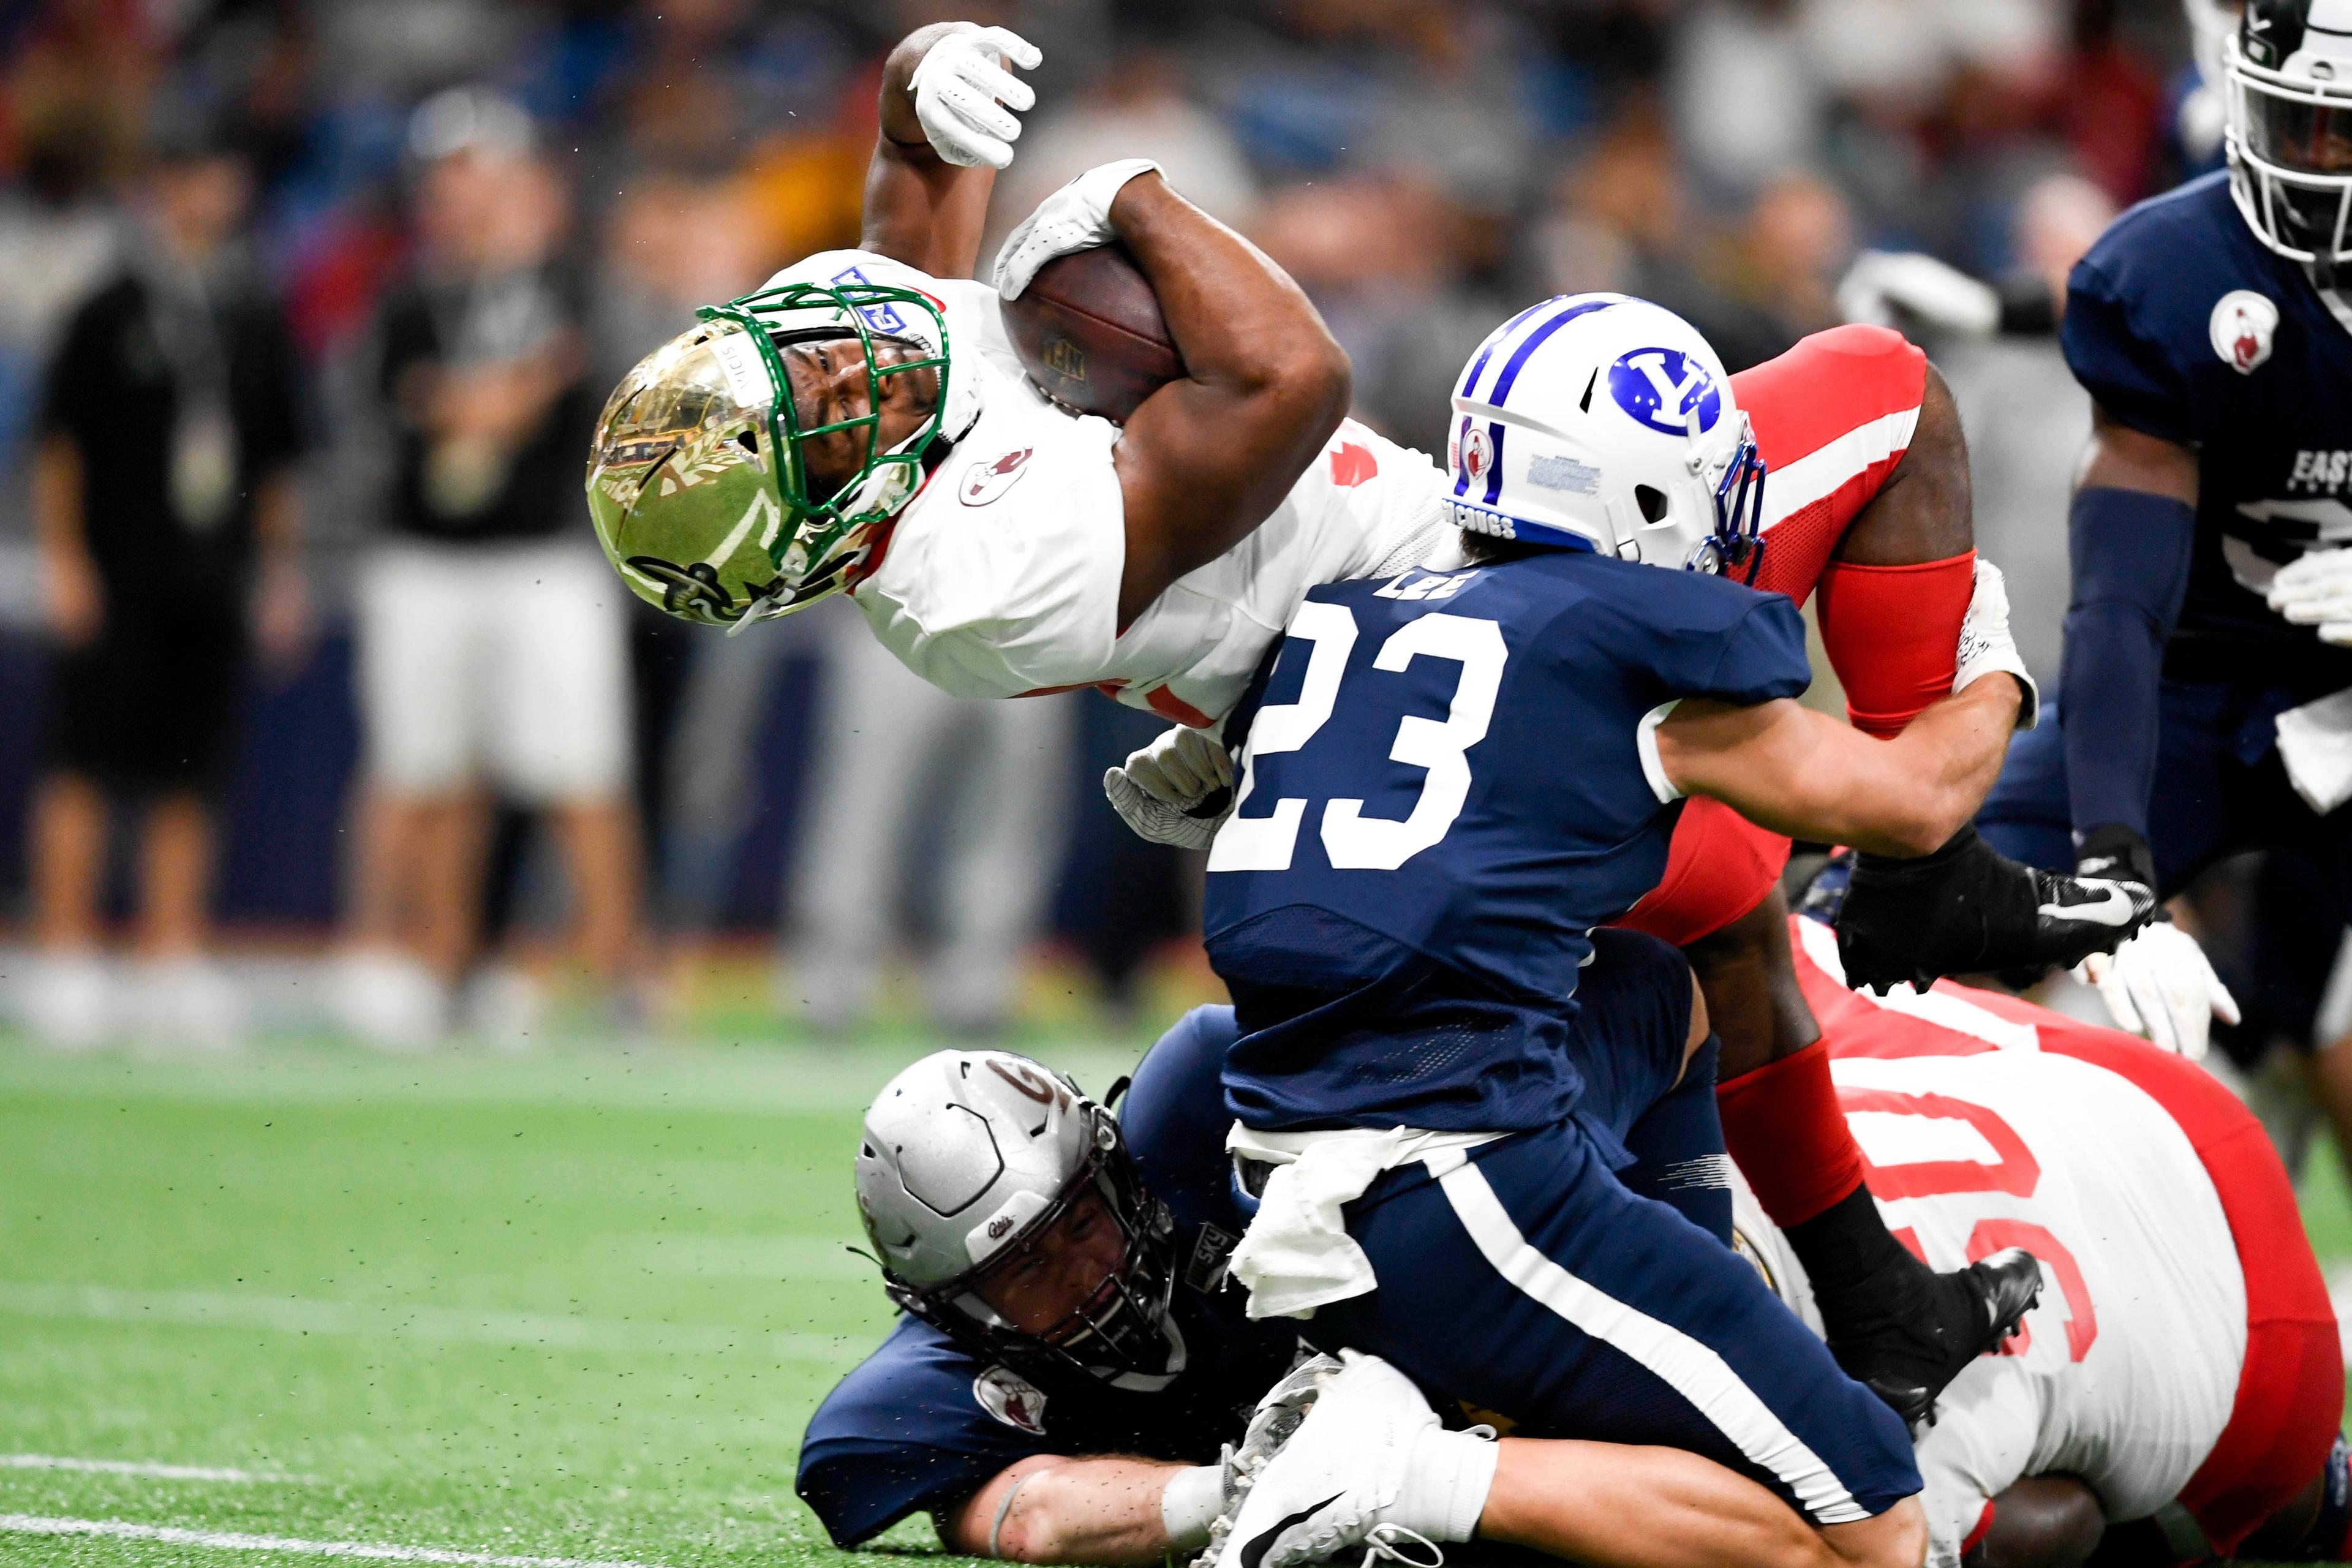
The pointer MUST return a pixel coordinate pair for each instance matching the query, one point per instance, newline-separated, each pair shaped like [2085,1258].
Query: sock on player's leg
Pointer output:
[1782,1123]
[1445,1484]
[1891,633]
[1677,1149]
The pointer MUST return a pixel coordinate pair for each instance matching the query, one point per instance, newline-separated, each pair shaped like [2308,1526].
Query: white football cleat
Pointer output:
[387,999]
[189,1003]
[68,999]
[1334,1483]
[1277,1416]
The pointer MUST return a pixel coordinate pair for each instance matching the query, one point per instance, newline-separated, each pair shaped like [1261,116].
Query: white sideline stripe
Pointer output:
[231,1540]
[146,1468]
[1683,1363]
[448,1325]
[2339,1296]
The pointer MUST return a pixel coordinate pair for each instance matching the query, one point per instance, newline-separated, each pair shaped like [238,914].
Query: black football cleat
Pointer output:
[1907,1359]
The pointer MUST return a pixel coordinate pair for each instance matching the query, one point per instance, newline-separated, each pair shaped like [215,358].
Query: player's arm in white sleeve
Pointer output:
[950,114]
[1207,457]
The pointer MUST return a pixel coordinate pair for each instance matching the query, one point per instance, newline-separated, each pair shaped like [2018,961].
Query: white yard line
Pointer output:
[445,1325]
[229,1540]
[147,1469]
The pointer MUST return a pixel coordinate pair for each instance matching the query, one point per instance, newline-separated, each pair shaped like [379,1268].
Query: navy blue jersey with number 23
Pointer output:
[1447,779]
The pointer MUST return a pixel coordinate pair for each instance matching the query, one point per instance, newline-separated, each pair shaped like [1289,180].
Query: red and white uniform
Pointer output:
[2184,1347]
[1001,577]
[1832,419]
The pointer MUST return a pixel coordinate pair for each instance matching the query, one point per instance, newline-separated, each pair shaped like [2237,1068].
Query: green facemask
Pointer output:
[699,478]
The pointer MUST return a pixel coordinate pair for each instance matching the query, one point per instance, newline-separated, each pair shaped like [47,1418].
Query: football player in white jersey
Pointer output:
[2184,1349]
[998,543]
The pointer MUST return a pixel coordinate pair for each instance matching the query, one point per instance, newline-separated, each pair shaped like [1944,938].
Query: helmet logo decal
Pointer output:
[984,482]
[2242,327]
[1012,1399]
[882,317]
[1025,1079]
[1553,471]
[1478,456]
[1663,388]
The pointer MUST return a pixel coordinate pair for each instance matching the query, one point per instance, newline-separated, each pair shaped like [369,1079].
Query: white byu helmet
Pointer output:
[1602,421]
[967,1159]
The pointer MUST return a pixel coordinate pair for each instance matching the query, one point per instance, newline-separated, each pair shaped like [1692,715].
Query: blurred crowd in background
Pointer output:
[310,308]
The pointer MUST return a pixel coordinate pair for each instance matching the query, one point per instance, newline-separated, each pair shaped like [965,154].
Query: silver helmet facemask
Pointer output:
[1122,1333]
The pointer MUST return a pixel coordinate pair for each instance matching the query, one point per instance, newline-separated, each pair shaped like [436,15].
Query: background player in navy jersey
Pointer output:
[2213,582]
[1402,942]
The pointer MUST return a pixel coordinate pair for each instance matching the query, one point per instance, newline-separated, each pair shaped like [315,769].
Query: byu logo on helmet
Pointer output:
[881,317]
[1663,388]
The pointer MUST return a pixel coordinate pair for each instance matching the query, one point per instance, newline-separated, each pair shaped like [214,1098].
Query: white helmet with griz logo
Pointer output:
[970,1159]
[2287,118]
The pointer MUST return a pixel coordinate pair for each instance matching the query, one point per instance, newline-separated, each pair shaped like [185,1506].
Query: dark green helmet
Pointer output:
[700,480]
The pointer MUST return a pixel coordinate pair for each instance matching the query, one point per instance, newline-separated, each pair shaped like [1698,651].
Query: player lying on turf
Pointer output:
[1869,499]
[749,468]
[2186,1349]
[1071,1364]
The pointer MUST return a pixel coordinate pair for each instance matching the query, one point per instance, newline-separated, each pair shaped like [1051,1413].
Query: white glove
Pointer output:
[2161,985]
[1986,648]
[965,98]
[1883,286]
[2316,590]
[1075,218]
[1162,785]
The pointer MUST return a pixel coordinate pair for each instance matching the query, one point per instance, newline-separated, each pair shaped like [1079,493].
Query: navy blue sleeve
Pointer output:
[2127,371]
[2130,553]
[1701,637]
[1175,1118]
[904,1432]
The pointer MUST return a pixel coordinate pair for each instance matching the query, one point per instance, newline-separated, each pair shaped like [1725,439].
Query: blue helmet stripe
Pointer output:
[1534,340]
[1462,478]
[1495,466]
[1486,349]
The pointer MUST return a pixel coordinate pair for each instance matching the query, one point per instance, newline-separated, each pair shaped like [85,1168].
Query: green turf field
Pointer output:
[575,1305]
[571,1305]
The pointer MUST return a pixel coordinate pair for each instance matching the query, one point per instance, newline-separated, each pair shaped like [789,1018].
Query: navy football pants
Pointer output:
[1546,1279]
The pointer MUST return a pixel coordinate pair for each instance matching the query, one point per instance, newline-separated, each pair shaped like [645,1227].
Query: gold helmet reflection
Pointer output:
[698,478]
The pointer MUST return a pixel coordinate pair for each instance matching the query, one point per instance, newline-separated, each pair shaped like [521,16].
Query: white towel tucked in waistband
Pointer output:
[1297,1255]
[2315,740]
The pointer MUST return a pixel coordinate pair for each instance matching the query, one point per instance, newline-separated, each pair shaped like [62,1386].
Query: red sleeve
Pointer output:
[1832,416]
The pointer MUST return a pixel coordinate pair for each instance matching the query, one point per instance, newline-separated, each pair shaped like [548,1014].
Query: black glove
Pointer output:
[1967,910]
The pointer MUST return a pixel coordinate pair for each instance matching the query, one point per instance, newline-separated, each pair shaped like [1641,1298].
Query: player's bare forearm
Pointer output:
[1925,511]
[1100,1509]
[1805,774]
[1610,1505]
[919,208]
[1205,459]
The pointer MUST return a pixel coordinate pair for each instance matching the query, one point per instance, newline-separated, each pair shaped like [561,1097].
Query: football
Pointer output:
[1089,331]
